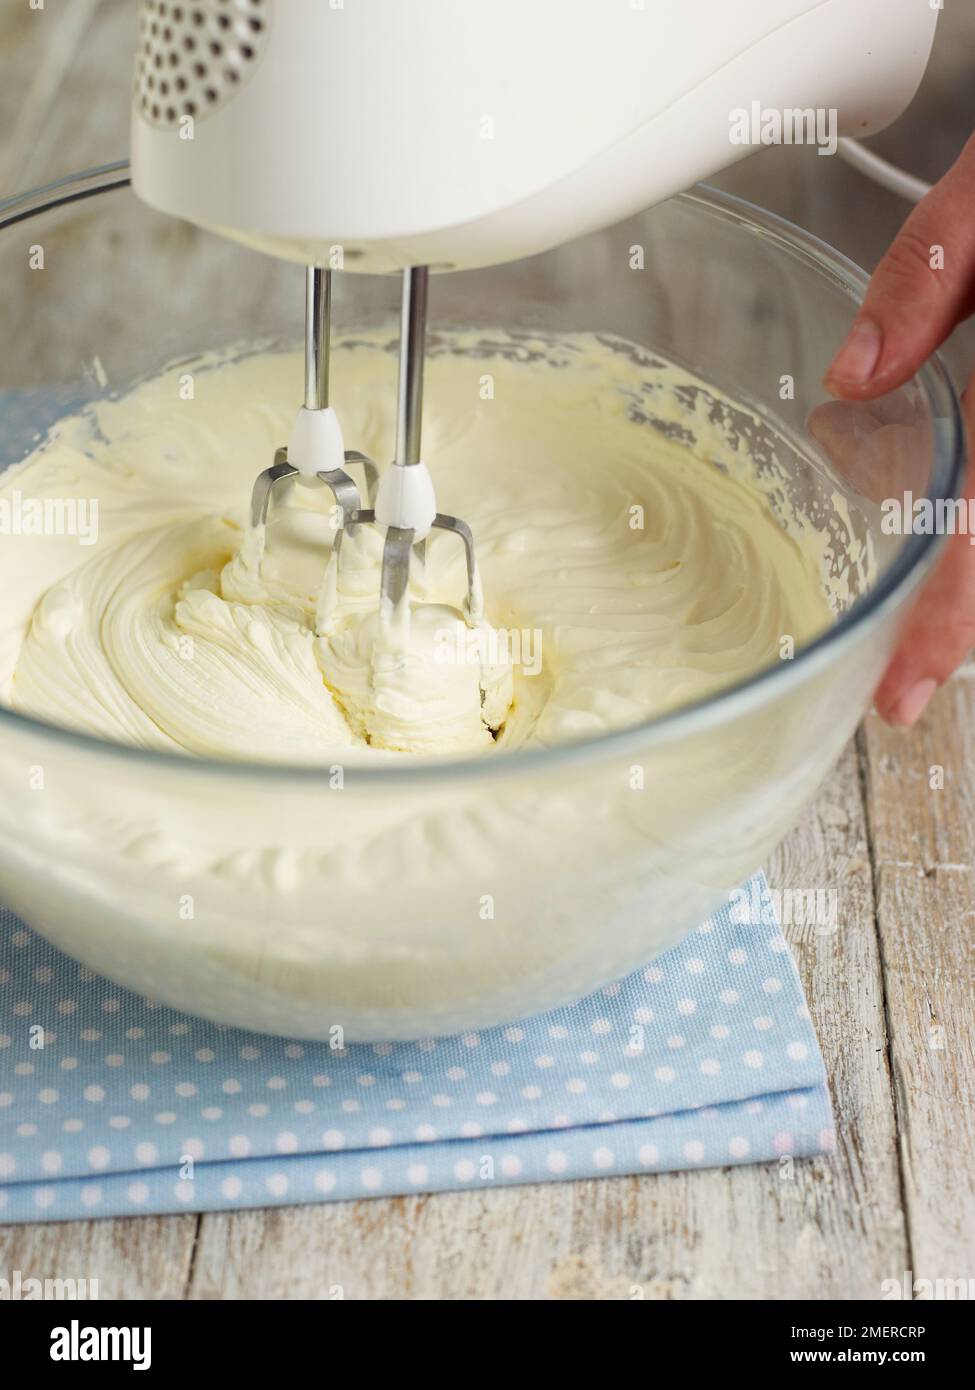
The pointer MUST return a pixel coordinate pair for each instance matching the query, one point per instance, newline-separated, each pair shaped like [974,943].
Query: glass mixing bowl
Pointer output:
[594,856]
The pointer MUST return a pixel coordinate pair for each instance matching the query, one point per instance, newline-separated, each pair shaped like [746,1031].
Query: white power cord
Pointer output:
[883,172]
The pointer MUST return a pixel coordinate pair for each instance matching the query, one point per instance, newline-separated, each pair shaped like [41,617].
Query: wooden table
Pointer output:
[891,993]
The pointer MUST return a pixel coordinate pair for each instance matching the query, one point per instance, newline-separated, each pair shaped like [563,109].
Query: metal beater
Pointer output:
[403,499]
[405,502]
[316,453]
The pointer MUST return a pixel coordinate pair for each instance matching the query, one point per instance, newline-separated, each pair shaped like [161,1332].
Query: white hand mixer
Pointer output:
[450,134]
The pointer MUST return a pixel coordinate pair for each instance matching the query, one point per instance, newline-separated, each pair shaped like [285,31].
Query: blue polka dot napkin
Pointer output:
[705,1057]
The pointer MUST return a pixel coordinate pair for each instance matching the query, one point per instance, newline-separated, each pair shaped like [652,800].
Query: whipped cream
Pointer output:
[626,570]
[642,575]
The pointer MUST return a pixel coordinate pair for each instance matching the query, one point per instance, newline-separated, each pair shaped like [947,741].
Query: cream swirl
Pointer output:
[636,573]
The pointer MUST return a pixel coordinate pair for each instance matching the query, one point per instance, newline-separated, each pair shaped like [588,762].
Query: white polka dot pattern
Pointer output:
[705,1057]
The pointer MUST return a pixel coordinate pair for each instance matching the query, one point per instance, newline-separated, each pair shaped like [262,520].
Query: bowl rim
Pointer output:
[905,572]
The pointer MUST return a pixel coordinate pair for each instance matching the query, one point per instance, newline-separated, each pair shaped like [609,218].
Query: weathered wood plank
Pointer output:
[913,822]
[42,46]
[140,1257]
[924,846]
[65,97]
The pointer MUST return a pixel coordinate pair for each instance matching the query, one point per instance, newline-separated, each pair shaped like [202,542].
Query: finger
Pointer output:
[940,631]
[916,296]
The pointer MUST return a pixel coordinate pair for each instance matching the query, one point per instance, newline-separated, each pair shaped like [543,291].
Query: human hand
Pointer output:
[909,311]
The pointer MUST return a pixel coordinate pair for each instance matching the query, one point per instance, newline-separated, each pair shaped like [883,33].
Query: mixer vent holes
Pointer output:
[194,54]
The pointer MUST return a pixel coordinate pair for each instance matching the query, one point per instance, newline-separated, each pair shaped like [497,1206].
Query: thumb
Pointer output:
[940,629]
[916,296]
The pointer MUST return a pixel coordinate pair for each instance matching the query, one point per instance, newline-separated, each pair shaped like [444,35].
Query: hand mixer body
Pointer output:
[449,133]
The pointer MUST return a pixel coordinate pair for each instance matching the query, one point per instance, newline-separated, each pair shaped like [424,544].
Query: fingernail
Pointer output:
[911,706]
[857,359]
